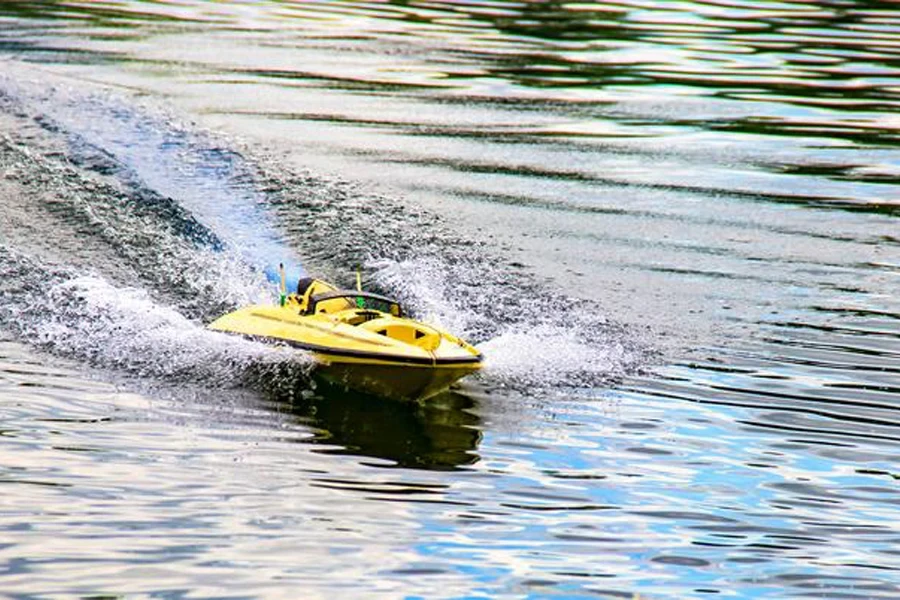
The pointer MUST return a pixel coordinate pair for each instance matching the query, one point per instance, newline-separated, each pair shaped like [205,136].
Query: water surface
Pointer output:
[671,227]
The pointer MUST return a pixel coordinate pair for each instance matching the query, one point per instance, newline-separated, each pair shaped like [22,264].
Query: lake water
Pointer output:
[672,228]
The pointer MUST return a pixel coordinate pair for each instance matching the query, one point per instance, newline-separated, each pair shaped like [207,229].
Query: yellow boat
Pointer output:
[360,340]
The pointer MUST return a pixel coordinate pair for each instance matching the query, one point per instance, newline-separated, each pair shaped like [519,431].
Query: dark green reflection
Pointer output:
[442,433]
[95,13]
[832,56]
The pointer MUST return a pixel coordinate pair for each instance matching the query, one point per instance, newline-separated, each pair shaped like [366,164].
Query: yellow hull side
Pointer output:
[356,357]
[401,382]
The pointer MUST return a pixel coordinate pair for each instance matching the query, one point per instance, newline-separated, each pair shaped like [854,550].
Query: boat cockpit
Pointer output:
[337,300]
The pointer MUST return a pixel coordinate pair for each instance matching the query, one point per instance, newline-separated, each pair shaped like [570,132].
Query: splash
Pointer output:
[88,318]
[424,285]
[551,356]
[529,344]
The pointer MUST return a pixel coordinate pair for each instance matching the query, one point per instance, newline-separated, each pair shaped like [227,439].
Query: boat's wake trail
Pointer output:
[181,217]
[99,263]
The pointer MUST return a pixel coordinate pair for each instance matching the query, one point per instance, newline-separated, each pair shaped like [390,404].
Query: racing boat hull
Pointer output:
[360,341]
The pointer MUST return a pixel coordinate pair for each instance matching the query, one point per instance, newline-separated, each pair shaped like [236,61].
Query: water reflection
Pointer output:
[441,434]
[827,54]
[708,158]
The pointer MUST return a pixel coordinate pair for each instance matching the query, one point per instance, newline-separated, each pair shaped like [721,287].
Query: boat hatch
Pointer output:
[416,334]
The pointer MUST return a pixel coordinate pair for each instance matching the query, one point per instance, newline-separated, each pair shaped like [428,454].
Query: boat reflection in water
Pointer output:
[440,434]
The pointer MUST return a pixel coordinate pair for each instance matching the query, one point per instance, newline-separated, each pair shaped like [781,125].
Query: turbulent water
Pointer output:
[672,228]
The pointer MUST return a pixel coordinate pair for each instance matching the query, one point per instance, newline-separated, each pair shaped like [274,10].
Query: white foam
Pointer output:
[550,356]
[422,282]
[535,350]
[89,318]
[226,277]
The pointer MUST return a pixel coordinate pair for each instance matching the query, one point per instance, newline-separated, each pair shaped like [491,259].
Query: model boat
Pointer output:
[360,340]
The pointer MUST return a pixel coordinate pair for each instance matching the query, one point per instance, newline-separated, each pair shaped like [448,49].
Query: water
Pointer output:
[671,227]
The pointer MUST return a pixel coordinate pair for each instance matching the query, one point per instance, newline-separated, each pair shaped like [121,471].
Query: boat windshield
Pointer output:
[360,300]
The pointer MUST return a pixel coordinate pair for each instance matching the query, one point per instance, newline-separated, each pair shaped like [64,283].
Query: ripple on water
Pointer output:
[696,167]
